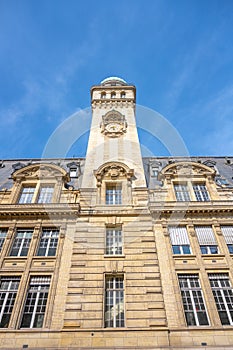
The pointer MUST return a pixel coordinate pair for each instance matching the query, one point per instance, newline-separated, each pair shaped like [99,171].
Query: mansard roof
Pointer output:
[221,166]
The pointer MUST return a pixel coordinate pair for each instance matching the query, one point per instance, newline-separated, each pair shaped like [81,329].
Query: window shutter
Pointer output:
[228,234]
[205,235]
[179,235]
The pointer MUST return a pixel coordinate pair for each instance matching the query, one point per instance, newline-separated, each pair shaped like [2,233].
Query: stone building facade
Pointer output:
[116,251]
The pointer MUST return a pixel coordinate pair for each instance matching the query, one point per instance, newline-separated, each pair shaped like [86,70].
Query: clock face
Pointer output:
[113,127]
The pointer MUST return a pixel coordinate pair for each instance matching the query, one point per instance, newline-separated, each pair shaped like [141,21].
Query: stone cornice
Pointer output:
[61,209]
[192,207]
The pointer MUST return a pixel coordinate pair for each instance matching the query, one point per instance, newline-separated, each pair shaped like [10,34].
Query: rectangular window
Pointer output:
[193,301]
[114,302]
[8,292]
[206,240]
[73,172]
[113,241]
[113,194]
[35,304]
[228,235]
[179,240]
[45,194]
[201,192]
[182,193]
[21,242]
[223,297]
[48,242]
[27,194]
[3,233]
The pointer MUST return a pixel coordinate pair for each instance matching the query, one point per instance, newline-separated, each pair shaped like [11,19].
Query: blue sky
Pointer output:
[179,54]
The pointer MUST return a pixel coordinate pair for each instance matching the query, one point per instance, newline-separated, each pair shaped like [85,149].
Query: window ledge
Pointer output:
[182,256]
[212,256]
[114,256]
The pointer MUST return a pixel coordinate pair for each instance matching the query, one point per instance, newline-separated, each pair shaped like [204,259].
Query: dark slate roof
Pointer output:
[222,165]
[7,167]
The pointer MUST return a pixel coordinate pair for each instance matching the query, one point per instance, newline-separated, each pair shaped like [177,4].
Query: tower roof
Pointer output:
[114,81]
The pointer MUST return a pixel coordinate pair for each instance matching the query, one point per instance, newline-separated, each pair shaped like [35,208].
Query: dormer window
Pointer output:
[114,183]
[154,172]
[74,169]
[189,181]
[73,172]
[38,183]
[113,193]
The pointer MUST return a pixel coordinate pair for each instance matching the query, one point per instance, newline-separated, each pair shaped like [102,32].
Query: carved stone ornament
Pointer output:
[113,171]
[39,171]
[113,124]
[187,169]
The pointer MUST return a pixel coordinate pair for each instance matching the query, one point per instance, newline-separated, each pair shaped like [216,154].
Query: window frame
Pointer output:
[112,295]
[196,191]
[3,234]
[181,194]
[49,241]
[178,245]
[38,187]
[221,298]
[116,195]
[46,195]
[189,296]
[113,241]
[227,232]
[207,240]
[39,293]
[21,243]
[8,296]
[201,192]
[31,194]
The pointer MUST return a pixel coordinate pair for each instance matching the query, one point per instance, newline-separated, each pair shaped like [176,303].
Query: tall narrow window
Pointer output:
[35,304]
[8,292]
[48,242]
[182,193]
[27,194]
[45,194]
[113,241]
[228,235]
[21,242]
[206,240]
[113,194]
[179,240]
[114,302]
[3,233]
[201,192]
[223,295]
[193,301]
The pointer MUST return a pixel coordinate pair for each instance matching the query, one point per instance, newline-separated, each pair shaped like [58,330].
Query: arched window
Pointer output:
[114,183]
[113,94]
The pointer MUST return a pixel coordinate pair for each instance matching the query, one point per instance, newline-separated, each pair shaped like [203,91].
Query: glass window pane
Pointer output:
[27,194]
[35,304]
[45,194]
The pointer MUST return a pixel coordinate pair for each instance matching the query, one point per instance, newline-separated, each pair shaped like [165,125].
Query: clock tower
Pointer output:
[113,136]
